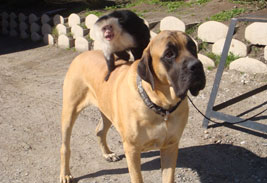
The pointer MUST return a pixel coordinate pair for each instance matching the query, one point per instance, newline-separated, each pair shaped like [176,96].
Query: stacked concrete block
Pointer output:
[4,23]
[13,24]
[24,26]
[35,27]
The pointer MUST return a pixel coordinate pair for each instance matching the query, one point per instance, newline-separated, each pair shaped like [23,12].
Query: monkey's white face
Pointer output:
[108,32]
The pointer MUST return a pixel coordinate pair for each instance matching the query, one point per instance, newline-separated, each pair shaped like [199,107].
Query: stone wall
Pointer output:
[75,31]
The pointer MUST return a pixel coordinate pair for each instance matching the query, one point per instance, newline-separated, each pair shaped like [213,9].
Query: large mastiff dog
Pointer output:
[146,101]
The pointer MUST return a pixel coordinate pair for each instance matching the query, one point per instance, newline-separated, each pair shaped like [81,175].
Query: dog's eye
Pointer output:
[169,54]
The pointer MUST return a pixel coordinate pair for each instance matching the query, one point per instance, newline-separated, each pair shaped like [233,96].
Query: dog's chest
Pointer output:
[158,135]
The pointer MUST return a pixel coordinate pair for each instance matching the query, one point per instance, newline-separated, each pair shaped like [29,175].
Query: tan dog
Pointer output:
[146,101]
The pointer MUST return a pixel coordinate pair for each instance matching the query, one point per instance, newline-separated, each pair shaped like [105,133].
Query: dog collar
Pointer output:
[157,109]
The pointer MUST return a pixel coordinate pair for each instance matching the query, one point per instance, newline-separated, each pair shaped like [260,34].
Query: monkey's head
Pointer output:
[107,29]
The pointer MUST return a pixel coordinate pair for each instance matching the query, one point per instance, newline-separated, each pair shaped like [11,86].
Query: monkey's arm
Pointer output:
[110,64]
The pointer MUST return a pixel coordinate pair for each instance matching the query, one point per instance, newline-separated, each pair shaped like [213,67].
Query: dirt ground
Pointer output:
[31,78]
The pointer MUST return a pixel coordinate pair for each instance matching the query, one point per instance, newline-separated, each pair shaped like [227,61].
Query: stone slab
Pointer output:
[46,29]
[22,17]
[81,44]
[65,42]
[35,36]
[90,20]
[172,23]
[212,31]
[74,19]
[206,61]
[237,47]
[33,18]
[248,65]
[256,33]
[58,19]
[35,27]
[49,39]
[45,19]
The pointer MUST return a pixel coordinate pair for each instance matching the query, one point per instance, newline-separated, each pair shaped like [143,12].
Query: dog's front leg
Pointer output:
[168,158]
[133,157]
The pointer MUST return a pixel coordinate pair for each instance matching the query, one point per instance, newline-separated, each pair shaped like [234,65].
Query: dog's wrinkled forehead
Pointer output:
[177,39]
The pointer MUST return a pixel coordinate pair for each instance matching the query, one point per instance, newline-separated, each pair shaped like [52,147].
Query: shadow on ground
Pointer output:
[218,163]
[15,44]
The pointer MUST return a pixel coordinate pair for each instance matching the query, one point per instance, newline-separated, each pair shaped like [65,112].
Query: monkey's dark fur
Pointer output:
[134,36]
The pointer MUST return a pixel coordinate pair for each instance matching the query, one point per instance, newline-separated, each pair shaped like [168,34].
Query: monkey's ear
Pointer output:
[144,68]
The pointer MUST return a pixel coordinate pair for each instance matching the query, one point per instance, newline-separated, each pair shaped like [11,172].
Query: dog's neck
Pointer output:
[163,95]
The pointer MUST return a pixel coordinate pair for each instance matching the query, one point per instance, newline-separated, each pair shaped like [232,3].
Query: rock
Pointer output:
[248,65]
[90,20]
[58,19]
[265,53]
[74,19]
[65,42]
[256,33]
[212,31]
[46,29]
[48,39]
[206,61]
[172,23]
[81,44]
[236,47]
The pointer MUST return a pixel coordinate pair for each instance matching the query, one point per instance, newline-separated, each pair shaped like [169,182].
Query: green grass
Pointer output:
[97,13]
[54,32]
[216,58]
[226,15]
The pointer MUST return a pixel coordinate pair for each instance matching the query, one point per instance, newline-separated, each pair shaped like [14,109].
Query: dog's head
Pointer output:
[171,58]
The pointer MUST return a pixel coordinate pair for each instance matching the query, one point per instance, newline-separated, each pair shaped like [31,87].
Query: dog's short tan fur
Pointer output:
[140,128]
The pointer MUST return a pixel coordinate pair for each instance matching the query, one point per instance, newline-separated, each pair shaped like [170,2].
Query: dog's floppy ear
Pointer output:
[144,68]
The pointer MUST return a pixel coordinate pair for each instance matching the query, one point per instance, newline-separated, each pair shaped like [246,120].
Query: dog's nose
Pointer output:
[194,65]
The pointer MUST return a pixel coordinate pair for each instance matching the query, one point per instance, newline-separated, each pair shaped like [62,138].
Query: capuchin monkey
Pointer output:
[119,32]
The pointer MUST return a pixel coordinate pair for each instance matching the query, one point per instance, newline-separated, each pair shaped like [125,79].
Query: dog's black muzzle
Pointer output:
[190,76]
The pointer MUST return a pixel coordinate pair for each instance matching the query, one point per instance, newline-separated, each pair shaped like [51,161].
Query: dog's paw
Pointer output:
[66,179]
[112,157]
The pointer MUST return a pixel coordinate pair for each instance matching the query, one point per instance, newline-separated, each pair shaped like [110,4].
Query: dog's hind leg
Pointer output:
[101,132]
